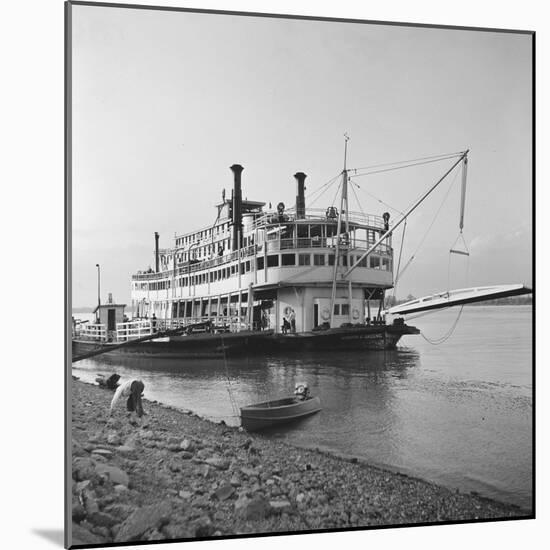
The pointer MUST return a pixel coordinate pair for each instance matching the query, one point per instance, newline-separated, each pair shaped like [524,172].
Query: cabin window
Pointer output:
[318,259]
[386,264]
[273,260]
[331,230]
[247,266]
[363,262]
[345,309]
[287,231]
[288,259]
[302,231]
[316,232]
[344,261]
[336,309]
[259,263]
[375,262]
[304,259]
[331,259]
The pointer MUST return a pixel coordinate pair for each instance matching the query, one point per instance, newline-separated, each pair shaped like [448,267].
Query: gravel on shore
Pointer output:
[173,475]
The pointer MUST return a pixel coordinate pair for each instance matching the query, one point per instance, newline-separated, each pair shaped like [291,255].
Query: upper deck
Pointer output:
[250,247]
[277,250]
[267,232]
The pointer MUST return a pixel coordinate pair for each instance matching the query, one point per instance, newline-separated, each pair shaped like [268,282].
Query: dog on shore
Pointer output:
[132,390]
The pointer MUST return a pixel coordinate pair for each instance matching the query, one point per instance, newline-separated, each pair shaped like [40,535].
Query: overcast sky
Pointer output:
[165,102]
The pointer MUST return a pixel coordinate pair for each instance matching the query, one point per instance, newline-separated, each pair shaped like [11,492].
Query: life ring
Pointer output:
[325,314]
[355,313]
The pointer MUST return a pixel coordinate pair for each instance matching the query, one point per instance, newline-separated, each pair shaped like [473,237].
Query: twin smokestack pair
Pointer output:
[238,203]
[237,240]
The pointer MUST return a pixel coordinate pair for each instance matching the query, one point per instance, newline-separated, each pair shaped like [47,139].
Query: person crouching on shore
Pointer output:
[132,389]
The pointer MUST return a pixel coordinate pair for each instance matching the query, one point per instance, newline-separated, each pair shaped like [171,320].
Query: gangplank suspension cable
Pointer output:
[447,335]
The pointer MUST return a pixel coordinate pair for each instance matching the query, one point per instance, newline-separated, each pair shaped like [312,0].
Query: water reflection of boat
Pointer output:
[261,416]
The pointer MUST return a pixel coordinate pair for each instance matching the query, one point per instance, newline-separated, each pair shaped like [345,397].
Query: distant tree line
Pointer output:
[83,309]
[526,299]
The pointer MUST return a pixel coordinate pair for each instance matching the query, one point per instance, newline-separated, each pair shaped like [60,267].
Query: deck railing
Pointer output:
[134,329]
[199,266]
[273,245]
[355,246]
[94,332]
[319,215]
[138,328]
[234,323]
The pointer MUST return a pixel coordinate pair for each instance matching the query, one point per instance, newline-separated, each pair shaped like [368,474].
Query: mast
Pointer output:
[343,209]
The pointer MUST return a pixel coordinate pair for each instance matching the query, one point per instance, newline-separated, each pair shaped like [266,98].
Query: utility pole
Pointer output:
[98,286]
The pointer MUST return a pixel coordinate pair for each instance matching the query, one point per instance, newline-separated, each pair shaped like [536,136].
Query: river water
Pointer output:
[458,414]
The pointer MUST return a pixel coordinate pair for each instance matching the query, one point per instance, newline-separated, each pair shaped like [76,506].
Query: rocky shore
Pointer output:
[173,475]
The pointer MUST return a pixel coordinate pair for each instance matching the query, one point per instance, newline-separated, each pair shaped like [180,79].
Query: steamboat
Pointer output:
[261,280]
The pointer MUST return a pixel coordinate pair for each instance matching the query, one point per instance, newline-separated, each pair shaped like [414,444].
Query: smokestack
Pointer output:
[237,207]
[156,252]
[300,197]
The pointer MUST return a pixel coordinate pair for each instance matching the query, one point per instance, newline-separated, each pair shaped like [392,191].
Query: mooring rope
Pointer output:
[234,405]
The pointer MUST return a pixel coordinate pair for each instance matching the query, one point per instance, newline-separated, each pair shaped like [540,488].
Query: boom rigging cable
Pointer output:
[311,203]
[400,274]
[336,194]
[357,198]
[327,184]
[376,198]
[391,208]
[399,259]
[446,155]
[402,167]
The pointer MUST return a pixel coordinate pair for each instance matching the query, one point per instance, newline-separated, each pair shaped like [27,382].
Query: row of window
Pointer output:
[374,262]
[341,309]
[204,234]
[159,285]
[273,260]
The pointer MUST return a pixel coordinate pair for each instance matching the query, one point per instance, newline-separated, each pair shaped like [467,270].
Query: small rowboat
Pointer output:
[273,413]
